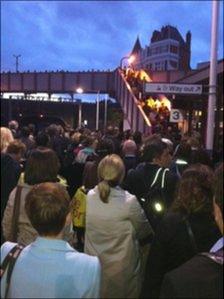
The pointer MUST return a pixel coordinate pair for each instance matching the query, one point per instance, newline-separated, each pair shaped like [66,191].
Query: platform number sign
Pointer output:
[176,116]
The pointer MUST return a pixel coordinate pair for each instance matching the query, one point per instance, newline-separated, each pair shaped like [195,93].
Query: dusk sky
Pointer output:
[85,35]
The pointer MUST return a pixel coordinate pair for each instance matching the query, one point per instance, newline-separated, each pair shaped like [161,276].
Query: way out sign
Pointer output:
[176,116]
[173,88]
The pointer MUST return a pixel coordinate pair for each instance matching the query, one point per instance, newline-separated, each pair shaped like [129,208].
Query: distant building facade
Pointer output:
[167,51]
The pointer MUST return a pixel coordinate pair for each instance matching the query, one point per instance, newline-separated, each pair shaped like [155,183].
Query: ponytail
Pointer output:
[104,191]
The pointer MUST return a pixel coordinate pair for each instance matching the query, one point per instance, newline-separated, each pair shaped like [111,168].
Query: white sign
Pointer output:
[176,115]
[173,88]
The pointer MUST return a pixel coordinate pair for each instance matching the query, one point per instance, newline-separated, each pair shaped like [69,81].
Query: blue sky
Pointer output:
[85,35]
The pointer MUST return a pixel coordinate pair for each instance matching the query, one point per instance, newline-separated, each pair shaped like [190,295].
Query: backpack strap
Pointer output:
[156,177]
[163,177]
[9,263]
[15,215]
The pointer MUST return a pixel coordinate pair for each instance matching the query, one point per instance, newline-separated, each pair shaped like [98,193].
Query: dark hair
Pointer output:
[137,137]
[32,128]
[88,141]
[218,186]
[42,139]
[25,132]
[105,147]
[183,152]
[195,190]
[52,130]
[47,206]
[42,166]
[16,147]
[153,149]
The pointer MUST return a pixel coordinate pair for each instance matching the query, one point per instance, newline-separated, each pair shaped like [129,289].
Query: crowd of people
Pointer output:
[157,110]
[109,214]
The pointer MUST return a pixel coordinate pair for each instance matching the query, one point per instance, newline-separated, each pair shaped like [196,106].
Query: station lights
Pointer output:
[130,59]
[79,90]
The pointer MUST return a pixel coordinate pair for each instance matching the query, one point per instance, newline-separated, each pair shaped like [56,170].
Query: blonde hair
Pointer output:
[111,172]
[6,138]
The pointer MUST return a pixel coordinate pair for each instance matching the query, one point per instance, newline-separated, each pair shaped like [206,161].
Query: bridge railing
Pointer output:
[133,112]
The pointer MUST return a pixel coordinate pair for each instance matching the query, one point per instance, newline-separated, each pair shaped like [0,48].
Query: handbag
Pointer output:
[9,263]
[79,207]
[15,215]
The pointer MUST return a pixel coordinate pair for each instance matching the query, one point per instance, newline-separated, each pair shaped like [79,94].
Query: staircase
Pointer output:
[134,116]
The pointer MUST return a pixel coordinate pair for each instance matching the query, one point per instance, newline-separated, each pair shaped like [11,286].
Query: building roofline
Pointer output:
[194,72]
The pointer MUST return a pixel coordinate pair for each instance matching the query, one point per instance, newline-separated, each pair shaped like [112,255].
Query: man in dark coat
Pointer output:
[155,154]
[202,276]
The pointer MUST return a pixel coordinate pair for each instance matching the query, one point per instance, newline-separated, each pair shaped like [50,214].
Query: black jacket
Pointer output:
[172,247]
[10,173]
[138,181]
[200,277]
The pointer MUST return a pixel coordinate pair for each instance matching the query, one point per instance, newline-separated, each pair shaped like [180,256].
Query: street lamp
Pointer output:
[80,91]
[105,113]
[97,110]
[17,62]
[79,101]
[130,59]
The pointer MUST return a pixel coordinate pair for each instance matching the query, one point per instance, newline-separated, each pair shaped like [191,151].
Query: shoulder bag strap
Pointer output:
[15,215]
[8,263]
[6,260]
[191,235]
[11,266]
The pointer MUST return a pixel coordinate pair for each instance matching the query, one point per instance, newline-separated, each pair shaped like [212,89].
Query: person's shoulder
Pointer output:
[194,268]
[91,264]
[5,249]
[129,198]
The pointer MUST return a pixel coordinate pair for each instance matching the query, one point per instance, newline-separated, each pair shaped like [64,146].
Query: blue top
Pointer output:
[51,268]
[218,245]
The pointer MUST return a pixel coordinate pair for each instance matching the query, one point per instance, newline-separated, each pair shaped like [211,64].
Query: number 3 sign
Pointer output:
[176,115]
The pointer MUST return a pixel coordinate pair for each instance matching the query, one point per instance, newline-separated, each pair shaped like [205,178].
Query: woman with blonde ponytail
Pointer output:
[115,223]
[111,172]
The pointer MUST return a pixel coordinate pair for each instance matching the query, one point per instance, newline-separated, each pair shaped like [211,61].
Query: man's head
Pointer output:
[47,206]
[13,125]
[157,152]
[218,197]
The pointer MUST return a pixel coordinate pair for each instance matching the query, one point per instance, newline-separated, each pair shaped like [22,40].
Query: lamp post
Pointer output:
[130,58]
[79,101]
[97,110]
[80,91]
[17,62]
[212,78]
[105,113]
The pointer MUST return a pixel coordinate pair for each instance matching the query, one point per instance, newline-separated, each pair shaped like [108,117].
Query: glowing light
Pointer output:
[181,162]
[145,76]
[131,59]
[165,102]
[41,116]
[79,90]
[158,207]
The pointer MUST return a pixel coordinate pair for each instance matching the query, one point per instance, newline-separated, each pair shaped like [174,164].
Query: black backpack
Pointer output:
[154,202]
